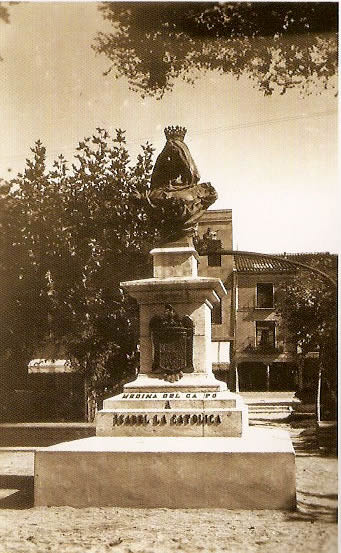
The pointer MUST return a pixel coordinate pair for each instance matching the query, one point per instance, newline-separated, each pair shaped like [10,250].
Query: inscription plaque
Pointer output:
[172,338]
[179,419]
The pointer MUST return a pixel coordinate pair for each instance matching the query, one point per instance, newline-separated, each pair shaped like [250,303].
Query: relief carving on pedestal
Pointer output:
[172,338]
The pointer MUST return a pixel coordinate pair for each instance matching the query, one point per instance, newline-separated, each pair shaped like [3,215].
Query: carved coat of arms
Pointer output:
[172,344]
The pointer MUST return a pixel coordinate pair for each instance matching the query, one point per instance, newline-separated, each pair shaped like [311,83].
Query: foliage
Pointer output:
[279,45]
[5,14]
[70,235]
[308,307]
[21,302]
[309,311]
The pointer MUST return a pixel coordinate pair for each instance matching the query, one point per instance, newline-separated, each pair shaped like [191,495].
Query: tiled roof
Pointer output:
[258,263]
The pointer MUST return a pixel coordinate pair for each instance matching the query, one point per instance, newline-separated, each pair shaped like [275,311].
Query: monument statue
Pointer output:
[176,437]
[175,165]
[176,198]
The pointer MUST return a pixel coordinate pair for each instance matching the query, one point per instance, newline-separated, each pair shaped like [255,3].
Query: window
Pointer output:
[265,295]
[265,335]
[214,260]
[216,314]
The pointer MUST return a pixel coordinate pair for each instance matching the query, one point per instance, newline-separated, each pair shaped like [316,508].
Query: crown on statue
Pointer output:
[177,132]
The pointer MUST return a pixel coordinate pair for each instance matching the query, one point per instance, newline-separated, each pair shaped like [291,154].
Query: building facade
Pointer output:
[250,348]
[264,354]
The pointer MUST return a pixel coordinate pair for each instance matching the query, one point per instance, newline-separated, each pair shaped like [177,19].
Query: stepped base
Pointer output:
[173,414]
[192,382]
[253,472]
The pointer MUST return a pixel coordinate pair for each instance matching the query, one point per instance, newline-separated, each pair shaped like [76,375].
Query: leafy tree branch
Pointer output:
[278,45]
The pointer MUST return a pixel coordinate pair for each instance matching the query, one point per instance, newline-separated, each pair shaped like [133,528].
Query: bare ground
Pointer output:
[311,528]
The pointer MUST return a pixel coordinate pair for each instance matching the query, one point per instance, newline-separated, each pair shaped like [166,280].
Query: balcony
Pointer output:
[249,346]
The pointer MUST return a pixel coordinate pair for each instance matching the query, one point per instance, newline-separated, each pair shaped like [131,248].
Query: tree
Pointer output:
[4,14]
[79,231]
[22,304]
[108,240]
[308,308]
[279,45]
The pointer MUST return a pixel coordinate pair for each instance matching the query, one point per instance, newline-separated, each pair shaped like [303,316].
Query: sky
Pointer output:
[272,160]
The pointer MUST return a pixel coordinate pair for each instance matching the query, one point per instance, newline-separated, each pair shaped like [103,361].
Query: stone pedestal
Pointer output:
[254,472]
[175,283]
[175,437]
[155,404]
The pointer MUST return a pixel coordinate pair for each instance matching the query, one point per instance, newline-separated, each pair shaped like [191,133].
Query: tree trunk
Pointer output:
[86,399]
[318,396]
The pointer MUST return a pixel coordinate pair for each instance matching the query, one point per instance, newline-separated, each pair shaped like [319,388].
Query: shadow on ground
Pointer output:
[313,507]
[16,492]
[303,432]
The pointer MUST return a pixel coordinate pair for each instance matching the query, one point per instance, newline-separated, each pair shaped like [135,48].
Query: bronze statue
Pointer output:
[175,165]
[176,197]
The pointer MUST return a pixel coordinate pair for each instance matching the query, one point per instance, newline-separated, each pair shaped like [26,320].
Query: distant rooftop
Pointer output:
[248,262]
[305,254]
[258,263]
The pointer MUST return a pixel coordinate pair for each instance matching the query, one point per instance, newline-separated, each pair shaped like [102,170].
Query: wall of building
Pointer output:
[220,222]
[247,312]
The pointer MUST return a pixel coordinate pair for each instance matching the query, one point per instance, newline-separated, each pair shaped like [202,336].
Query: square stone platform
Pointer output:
[256,471]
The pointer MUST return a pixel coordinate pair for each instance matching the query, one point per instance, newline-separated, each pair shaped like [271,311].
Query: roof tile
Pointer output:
[260,263]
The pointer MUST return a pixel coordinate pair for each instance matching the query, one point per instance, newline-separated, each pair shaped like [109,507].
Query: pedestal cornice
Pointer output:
[183,289]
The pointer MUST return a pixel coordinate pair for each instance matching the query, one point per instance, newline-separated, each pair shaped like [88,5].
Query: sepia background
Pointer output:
[272,159]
